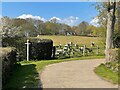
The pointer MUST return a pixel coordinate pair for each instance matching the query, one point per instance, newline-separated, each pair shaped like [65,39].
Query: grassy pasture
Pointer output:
[81,40]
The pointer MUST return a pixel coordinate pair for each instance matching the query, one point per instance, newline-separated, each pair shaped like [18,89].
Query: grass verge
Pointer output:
[106,74]
[26,75]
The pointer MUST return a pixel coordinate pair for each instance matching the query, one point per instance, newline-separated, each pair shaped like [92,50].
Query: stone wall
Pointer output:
[113,55]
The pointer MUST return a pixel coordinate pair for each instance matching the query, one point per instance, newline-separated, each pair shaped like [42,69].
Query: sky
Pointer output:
[71,13]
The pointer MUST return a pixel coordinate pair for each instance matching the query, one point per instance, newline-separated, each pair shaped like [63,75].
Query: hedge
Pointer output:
[18,43]
[8,57]
[39,48]
[116,40]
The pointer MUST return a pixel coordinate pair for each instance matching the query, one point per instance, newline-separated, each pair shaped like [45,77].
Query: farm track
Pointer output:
[73,74]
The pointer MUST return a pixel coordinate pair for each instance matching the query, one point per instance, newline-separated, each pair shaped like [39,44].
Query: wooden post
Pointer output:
[97,50]
[27,49]
[84,50]
[53,52]
[72,53]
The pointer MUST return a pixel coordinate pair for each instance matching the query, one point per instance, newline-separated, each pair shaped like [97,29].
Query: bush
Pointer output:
[116,41]
[8,56]
[39,49]
[18,43]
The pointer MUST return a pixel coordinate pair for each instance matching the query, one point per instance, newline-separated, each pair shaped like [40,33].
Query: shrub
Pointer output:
[116,41]
[18,43]
[39,48]
[8,56]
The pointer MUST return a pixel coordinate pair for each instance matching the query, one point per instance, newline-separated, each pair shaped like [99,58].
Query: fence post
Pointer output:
[97,50]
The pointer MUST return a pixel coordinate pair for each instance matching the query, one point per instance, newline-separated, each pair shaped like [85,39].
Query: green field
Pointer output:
[81,40]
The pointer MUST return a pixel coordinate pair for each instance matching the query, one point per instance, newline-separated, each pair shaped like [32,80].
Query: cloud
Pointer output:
[71,20]
[25,16]
[0,16]
[94,22]
[58,19]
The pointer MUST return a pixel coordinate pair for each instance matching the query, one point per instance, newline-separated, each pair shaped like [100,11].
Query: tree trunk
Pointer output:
[118,6]
[110,27]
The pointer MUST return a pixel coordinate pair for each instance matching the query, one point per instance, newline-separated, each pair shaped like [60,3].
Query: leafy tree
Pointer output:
[109,19]
[8,28]
[17,27]
[83,27]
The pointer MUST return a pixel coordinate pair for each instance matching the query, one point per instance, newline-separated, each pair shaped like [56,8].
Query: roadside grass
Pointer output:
[26,75]
[107,74]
